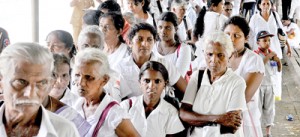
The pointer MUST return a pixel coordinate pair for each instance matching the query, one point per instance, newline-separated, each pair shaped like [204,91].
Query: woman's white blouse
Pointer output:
[181,59]
[115,58]
[223,95]
[114,117]
[129,75]
[258,23]
[163,120]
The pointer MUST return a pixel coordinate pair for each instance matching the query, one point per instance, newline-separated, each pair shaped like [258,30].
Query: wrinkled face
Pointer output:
[57,46]
[216,58]
[88,82]
[62,77]
[179,11]
[264,42]
[166,30]
[25,86]
[142,43]
[236,35]
[106,25]
[265,5]
[152,84]
[89,41]
[135,7]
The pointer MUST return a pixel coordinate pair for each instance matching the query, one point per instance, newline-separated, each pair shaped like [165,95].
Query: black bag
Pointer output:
[280,33]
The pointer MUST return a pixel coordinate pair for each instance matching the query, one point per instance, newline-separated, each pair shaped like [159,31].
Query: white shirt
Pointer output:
[154,8]
[236,7]
[295,42]
[258,23]
[115,58]
[212,21]
[181,31]
[129,75]
[294,5]
[250,63]
[181,59]
[52,125]
[224,95]
[114,117]
[191,13]
[69,98]
[270,72]
[163,120]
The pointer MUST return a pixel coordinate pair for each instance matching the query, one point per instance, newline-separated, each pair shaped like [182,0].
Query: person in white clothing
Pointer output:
[218,101]
[26,79]
[151,115]
[185,26]
[61,73]
[265,20]
[248,5]
[293,32]
[142,38]
[90,37]
[60,41]
[169,46]
[207,22]
[250,66]
[91,73]
[111,24]
[141,11]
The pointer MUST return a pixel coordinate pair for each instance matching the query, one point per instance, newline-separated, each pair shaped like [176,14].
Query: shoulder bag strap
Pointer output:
[186,28]
[200,76]
[102,117]
[154,23]
[159,6]
[275,19]
[178,49]
[130,103]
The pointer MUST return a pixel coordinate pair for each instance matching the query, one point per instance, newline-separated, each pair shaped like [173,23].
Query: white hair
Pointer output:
[178,3]
[91,29]
[93,55]
[219,37]
[29,52]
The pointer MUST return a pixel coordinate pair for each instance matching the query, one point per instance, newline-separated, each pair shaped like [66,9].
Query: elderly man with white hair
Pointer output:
[26,70]
[215,97]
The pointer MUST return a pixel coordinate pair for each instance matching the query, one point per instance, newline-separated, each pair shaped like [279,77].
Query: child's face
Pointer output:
[264,42]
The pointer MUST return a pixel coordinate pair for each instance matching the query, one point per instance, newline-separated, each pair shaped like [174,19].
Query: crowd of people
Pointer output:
[150,68]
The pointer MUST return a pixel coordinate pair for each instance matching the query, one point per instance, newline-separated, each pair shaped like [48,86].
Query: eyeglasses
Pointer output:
[228,10]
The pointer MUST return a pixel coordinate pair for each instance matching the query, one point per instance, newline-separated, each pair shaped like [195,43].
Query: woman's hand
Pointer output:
[230,119]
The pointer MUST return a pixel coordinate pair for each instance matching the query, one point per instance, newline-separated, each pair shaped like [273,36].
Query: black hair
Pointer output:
[259,2]
[241,23]
[200,25]
[91,17]
[66,38]
[170,17]
[153,65]
[141,26]
[228,3]
[118,21]
[145,6]
[110,5]
[211,3]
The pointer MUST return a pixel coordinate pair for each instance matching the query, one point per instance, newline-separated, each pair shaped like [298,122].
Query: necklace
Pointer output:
[162,51]
[239,53]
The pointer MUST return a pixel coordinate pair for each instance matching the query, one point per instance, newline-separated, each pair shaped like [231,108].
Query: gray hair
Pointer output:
[91,55]
[178,3]
[28,52]
[222,38]
[91,29]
